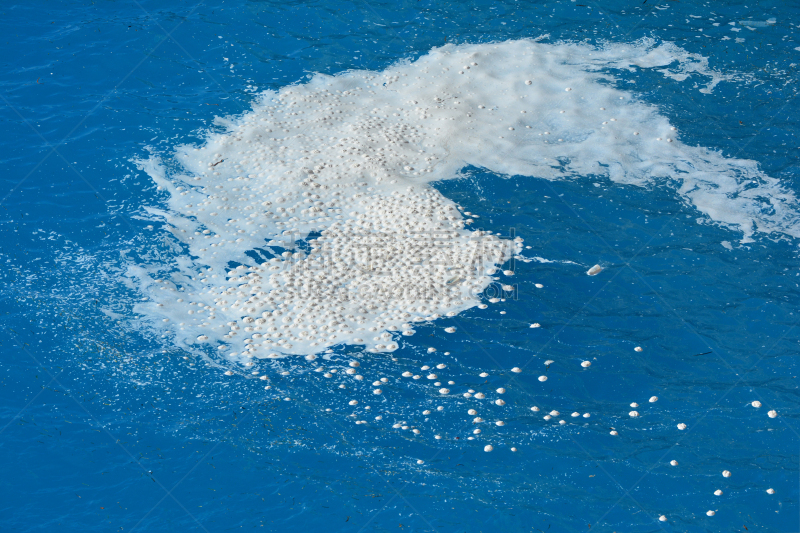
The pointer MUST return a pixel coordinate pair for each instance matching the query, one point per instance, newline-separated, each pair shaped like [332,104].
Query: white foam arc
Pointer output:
[350,157]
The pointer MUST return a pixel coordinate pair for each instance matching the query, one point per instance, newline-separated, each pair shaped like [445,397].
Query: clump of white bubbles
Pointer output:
[309,223]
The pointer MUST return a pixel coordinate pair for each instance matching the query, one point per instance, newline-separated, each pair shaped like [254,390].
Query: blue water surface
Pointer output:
[106,427]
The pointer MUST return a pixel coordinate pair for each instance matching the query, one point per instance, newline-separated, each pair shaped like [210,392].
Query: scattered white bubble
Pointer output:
[770,491]
[726,473]
[674,462]
[586,364]
[653,399]
[756,404]
[536,325]
[681,426]
[772,414]
[542,378]
[717,492]
[488,448]
[710,513]
[516,370]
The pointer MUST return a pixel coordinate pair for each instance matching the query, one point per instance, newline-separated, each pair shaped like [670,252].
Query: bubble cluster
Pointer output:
[308,224]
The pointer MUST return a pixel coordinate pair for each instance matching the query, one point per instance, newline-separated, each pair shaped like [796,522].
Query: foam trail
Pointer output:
[341,164]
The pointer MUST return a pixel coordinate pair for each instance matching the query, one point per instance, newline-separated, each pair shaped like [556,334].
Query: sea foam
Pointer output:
[308,222]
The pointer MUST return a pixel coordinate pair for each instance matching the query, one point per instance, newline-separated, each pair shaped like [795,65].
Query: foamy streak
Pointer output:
[350,156]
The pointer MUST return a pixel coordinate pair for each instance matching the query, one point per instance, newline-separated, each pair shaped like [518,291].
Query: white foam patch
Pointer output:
[349,157]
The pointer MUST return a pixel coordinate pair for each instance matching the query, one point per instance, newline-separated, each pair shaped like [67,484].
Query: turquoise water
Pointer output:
[108,424]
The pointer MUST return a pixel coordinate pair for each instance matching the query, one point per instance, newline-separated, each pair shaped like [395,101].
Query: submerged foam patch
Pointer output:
[309,221]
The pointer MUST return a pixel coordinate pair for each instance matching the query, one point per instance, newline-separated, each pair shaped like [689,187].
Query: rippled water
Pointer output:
[110,422]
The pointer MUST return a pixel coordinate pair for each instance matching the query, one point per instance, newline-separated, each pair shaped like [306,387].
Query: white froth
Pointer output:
[326,183]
